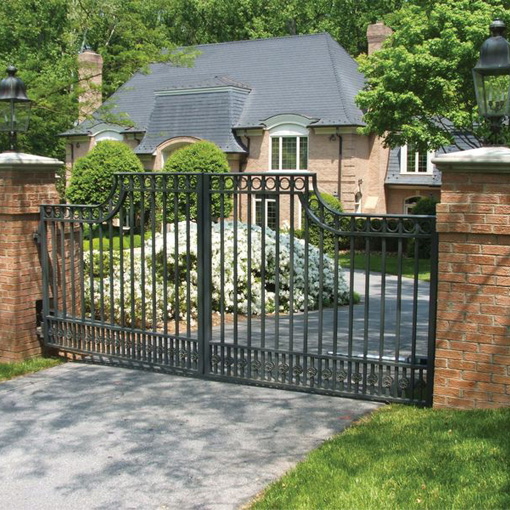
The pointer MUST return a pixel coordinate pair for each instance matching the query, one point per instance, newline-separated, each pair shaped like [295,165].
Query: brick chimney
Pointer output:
[376,35]
[90,72]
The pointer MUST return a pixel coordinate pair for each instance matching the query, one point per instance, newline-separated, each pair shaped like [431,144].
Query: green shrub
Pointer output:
[199,157]
[424,206]
[330,200]
[92,176]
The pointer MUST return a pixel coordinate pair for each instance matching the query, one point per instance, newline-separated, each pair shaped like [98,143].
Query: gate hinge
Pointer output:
[36,236]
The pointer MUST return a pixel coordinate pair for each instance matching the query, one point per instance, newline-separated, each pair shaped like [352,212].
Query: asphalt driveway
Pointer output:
[95,437]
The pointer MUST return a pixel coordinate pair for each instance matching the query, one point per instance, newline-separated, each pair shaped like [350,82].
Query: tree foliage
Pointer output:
[43,37]
[92,176]
[419,86]
[211,21]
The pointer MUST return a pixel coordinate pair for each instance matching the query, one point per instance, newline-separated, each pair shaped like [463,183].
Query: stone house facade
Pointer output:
[280,104]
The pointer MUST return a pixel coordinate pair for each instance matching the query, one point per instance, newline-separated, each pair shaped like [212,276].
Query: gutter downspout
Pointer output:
[340,143]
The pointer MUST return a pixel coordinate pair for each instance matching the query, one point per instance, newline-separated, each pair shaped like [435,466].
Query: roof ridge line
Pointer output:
[257,40]
[335,74]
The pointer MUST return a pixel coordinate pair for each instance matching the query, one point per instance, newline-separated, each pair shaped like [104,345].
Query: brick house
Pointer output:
[284,103]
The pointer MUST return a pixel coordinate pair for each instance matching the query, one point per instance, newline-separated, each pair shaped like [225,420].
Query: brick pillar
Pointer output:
[26,181]
[473,319]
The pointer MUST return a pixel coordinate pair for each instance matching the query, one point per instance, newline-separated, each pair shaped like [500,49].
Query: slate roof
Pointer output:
[310,75]
[209,115]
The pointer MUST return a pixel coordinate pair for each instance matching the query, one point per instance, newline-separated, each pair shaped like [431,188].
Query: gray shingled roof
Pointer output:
[310,75]
[208,115]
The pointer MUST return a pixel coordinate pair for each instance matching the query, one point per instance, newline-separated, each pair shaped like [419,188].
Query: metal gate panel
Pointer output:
[238,277]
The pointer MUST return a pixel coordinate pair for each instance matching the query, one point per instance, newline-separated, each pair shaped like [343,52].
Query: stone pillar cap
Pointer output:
[483,159]
[18,158]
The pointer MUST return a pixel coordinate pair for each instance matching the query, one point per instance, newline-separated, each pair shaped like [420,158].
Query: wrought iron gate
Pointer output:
[240,277]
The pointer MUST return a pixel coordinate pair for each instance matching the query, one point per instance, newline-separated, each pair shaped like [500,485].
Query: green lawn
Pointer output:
[126,242]
[10,370]
[391,265]
[404,458]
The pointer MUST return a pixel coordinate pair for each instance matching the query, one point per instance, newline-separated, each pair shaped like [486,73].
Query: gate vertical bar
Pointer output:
[204,196]
[434,249]
[43,246]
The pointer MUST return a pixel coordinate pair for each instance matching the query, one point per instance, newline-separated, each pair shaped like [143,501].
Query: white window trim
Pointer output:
[107,134]
[288,125]
[403,163]
[265,201]
[297,212]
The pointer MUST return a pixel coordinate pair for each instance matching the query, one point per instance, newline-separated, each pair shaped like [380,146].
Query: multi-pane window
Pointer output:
[414,161]
[265,211]
[289,153]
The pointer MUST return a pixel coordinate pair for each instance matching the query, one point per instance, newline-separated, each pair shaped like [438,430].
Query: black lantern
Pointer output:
[14,106]
[492,78]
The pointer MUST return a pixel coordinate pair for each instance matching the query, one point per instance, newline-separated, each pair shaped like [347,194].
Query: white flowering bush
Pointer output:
[257,290]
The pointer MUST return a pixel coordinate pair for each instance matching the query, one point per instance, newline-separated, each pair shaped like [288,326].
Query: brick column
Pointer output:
[473,315]
[26,181]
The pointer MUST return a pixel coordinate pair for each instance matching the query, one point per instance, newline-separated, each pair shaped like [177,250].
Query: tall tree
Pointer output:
[419,86]
[209,21]
[43,38]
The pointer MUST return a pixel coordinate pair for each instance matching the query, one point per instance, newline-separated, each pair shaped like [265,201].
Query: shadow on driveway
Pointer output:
[96,437]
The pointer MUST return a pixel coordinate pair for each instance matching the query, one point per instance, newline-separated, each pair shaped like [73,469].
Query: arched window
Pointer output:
[168,147]
[108,135]
[288,136]
[409,204]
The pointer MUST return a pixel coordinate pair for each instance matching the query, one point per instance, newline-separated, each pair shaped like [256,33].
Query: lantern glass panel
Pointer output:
[493,94]
[5,116]
[21,116]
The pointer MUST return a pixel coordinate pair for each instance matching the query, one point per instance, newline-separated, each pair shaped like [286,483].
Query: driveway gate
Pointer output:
[250,278]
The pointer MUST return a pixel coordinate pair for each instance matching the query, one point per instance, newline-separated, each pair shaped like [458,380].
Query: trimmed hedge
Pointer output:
[92,176]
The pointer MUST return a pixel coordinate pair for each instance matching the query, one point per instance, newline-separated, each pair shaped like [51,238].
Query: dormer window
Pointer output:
[413,161]
[289,142]
[108,134]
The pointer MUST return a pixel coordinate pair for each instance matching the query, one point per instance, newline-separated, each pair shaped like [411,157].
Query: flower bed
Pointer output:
[255,294]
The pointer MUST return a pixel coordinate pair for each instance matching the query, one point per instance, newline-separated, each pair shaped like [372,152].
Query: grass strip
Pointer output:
[391,265]
[11,370]
[126,242]
[404,457]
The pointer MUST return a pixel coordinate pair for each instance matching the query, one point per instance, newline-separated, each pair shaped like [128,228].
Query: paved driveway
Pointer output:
[94,437]
[395,322]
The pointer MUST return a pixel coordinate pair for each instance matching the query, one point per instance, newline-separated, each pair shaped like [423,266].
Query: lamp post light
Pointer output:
[14,106]
[492,79]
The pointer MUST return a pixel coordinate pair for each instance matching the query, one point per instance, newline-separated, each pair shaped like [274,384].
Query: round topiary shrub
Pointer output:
[199,157]
[92,175]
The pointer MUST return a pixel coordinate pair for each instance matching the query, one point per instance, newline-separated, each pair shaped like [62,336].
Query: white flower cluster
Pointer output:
[251,275]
